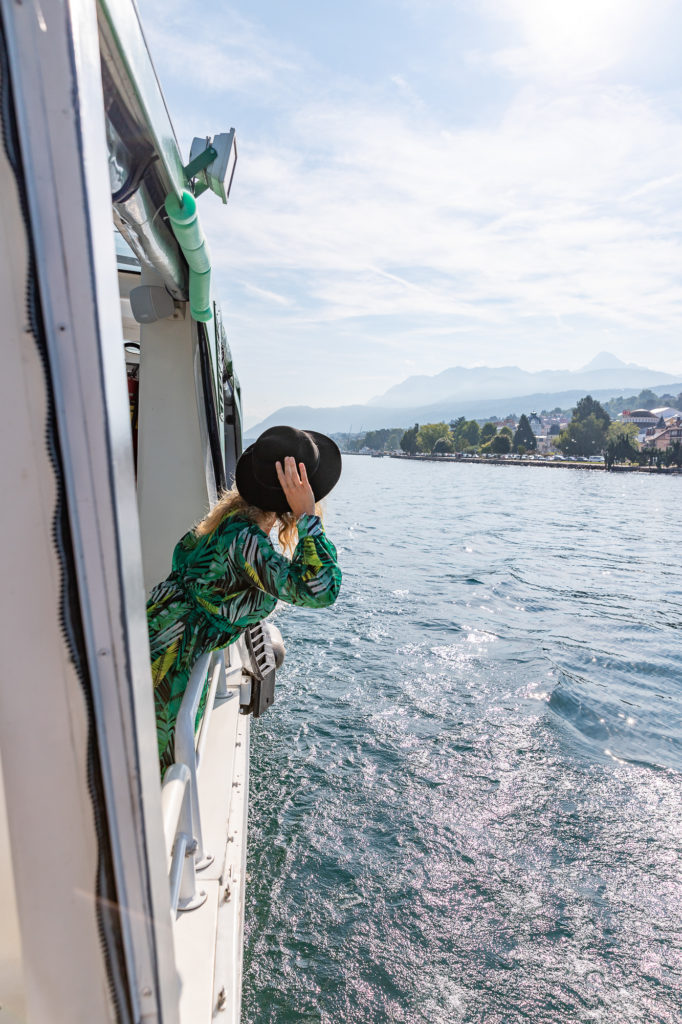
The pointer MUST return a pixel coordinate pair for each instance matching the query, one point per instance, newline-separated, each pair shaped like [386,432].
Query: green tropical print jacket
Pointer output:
[221,583]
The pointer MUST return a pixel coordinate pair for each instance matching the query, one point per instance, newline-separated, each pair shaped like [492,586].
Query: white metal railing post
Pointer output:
[222,690]
[184,839]
[176,808]
[185,751]
[180,791]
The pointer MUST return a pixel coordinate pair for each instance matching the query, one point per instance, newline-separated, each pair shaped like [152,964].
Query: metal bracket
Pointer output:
[200,163]
[262,669]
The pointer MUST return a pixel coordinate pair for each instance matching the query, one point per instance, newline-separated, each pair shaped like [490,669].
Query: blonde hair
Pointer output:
[231,502]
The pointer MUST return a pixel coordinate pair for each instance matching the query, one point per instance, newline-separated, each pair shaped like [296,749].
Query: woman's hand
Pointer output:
[297,490]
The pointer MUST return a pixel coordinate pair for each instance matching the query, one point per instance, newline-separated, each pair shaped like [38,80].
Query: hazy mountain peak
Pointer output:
[604,361]
[479,392]
[459,383]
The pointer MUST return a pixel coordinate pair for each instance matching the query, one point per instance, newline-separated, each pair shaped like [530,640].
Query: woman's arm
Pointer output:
[312,577]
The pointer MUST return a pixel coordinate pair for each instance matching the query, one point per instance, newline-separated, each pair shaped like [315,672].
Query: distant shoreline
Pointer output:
[545,463]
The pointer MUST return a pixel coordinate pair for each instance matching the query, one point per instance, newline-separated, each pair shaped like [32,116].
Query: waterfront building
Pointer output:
[644,418]
[646,421]
[660,439]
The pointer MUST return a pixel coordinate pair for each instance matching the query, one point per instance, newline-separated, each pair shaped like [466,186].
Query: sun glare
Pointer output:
[577,31]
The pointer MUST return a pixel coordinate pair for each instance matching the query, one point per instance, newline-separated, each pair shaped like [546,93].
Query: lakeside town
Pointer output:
[643,432]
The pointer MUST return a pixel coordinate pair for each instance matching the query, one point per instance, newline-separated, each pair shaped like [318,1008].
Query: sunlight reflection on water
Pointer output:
[468,810]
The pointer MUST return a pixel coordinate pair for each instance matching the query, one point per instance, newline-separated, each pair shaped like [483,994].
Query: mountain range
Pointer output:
[478,392]
[461,382]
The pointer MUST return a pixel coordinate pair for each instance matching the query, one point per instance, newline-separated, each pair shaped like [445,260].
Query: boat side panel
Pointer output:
[230,934]
[55,65]
[43,720]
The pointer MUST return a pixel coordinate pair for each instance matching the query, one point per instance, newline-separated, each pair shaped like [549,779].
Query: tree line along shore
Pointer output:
[590,437]
[540,461]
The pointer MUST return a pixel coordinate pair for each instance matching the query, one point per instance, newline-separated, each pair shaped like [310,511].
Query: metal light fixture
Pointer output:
[212,163]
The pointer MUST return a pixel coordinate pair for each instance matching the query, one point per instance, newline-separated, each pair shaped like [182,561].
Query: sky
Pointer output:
[424,184]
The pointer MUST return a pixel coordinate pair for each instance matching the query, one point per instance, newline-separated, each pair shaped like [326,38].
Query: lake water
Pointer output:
[467,799]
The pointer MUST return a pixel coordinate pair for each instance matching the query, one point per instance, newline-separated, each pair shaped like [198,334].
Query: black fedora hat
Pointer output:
[256,475]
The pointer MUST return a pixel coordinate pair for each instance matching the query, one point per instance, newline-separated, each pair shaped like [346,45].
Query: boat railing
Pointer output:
[252,672]
[177,823]
[180,791]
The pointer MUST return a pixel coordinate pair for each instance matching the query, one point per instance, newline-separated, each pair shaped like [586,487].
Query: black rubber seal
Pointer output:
[211,411]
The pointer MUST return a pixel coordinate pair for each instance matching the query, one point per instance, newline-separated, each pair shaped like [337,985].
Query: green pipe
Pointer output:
[200,295]
[187,230]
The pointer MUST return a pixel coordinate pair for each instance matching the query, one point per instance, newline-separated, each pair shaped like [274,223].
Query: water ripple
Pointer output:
[466,800]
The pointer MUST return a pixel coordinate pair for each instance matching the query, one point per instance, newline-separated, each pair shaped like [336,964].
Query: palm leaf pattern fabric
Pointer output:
[221,583]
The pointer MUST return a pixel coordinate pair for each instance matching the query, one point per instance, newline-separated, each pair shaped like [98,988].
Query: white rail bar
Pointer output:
[182,814]
[185,749]
[173,795]
[208,710]
[176,808]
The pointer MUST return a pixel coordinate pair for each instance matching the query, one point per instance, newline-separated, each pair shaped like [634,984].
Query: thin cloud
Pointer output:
[356,225]
[263,293]
[228,53]
[534,202]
